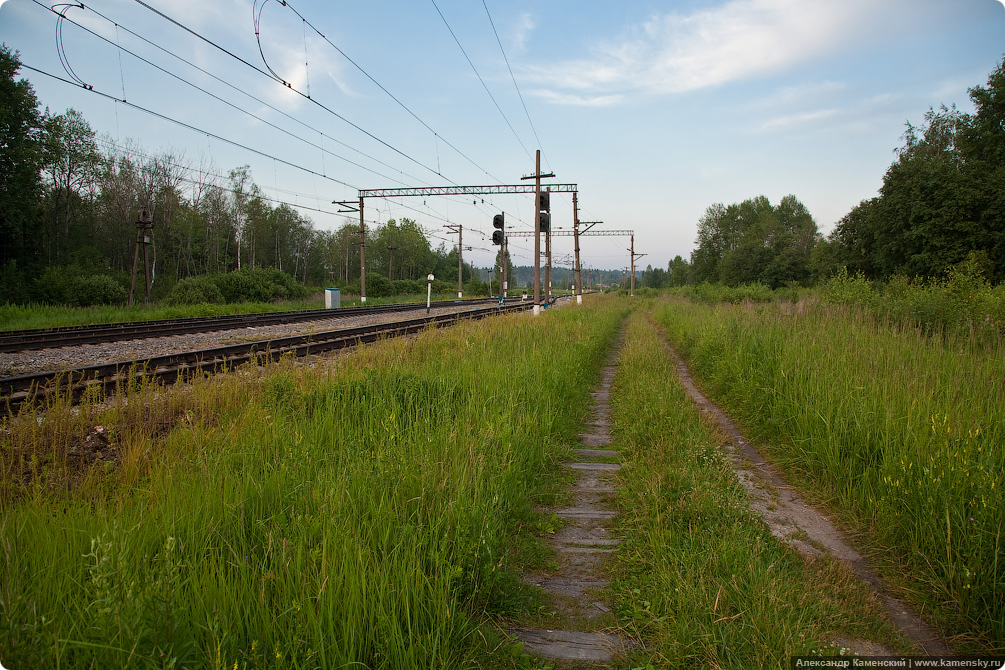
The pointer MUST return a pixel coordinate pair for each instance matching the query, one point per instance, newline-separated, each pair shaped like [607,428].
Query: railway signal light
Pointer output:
[499,221]
[544,201]
[544,221]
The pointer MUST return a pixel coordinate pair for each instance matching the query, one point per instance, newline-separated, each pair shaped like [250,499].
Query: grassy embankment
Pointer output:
[366,512]
[899,432]
[699,576]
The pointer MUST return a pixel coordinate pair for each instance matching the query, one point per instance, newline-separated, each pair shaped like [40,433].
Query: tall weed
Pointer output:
[359,512]
[900,431]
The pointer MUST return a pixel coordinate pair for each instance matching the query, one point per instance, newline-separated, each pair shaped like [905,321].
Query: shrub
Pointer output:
[378,286]
[97,290]
[195,291]
[258,285]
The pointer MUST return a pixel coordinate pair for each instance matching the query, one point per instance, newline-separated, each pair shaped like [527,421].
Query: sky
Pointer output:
[655,110]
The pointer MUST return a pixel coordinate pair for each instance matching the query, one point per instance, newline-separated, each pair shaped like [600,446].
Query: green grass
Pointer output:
[29,317]
[700,578]
[367,512]
[900,432]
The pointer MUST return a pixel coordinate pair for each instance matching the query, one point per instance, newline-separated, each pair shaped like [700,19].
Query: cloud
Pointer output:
[675,53]
[576,100]
[804,118]
[521,31]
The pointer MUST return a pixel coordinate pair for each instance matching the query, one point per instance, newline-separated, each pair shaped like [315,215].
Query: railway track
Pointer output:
[14,391]
[27,340]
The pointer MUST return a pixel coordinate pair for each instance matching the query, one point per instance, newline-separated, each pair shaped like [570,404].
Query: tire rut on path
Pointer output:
[582,546]
[788,516]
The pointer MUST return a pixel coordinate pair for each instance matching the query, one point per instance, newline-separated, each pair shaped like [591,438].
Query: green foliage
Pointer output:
[378,286]
[718,293]
[99,290]
[195,291]
[941,199]
[342,515]
[754,242]
[20,164]
[963,303]
[258,285]
[700,578]
[73,286]
[900,431]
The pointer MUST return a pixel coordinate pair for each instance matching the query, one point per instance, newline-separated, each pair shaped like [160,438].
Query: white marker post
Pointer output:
[429,290]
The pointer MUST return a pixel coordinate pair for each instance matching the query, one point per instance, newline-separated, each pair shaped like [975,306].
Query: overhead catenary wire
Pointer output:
[513,77]
[236,107]
[224,101]
[226,140]
[159,47]
[295,90]
[366,74]
[191,127]
[477,74]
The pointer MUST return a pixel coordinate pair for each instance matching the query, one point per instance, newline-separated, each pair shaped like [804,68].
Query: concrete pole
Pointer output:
[537,233]
[575,230]
[362,253]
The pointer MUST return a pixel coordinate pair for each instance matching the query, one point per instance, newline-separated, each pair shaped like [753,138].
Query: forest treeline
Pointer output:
[69,202]
[942,204]
[70,199]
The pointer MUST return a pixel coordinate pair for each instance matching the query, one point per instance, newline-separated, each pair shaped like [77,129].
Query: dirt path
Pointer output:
[582,546]
[789,517]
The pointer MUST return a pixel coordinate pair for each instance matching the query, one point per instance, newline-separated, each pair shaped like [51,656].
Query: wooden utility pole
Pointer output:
[634,256]
[144,230]
[457,228]
[390,259]
[547,266]
[537,227]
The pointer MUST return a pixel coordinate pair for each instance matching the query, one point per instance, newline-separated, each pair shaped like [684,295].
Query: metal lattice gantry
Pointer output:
[350,206]
[572,233]
[463,190]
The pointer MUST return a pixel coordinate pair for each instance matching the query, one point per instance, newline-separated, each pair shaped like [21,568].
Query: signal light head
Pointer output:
[499,221]
[544,222]
[544,201]
[497,237]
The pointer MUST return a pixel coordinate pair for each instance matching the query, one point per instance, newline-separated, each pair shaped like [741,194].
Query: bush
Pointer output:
[378,286]
[259,285]
[13,286]
[98,290]
[195,291]
[53,287]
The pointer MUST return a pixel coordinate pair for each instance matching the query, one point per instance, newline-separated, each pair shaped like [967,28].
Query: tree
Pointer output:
[942,199]
[754,242]
[982,143]
[20,163]
[71,165]
[679,271]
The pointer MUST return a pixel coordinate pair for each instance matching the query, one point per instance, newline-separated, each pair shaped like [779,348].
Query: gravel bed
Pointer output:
[46,360]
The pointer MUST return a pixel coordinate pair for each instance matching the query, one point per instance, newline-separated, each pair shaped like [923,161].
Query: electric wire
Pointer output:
[236,107]
[375,82]
[221,100]
[484,85]
[279,79]
[116,148]
[60,47]
[164,117]
[295,90]
[513,77]
[82,84]
[154,44]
